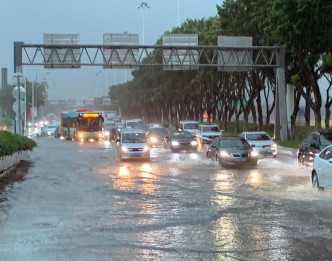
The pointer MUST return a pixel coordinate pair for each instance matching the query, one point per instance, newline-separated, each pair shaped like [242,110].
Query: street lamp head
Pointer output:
[144,5]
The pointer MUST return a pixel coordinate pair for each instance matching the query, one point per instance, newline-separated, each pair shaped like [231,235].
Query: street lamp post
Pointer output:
[99,72]
[18,114]
[143,5]
[34,85]
[178,13]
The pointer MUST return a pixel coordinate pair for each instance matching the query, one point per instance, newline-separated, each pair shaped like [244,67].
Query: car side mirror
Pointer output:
[252,145]
[330,160]
[213,147]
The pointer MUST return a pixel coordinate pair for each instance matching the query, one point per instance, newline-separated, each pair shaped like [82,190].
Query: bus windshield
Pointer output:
[87,124]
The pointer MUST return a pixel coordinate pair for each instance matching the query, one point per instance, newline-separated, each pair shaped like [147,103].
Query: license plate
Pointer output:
[241,159]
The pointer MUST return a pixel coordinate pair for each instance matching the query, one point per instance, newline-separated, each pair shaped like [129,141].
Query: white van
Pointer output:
[190,126]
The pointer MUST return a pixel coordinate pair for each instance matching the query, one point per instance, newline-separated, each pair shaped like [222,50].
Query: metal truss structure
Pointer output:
[170,57]
[75,56]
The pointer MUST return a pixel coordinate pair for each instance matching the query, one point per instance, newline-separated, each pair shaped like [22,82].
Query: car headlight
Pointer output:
[124,148]
[146,148]
[107,133]
[175,143]
[153,139]
[224,154]
[254,154]
[100,135]
[193,143]
[273,145]
[81,135]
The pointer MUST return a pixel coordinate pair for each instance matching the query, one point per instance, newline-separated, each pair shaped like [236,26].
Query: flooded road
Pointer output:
[78,201]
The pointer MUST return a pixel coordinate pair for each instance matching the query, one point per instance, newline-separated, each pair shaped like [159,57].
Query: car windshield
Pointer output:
[326,139]
[133,138]
[190,126]
[176,135]
[211,128]
[258,136]
[159,132]
[233,143]
[137,125]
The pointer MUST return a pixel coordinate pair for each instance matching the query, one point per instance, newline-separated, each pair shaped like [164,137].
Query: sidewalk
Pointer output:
[287,151]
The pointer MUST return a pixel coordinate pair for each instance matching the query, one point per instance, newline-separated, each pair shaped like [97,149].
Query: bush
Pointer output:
[11,143]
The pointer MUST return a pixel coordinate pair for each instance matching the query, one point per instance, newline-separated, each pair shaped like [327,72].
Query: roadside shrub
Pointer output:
[11,143]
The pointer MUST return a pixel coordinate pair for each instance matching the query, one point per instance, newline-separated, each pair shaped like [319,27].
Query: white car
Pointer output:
[190,126]
[321,176]
[207,132]
[49,129]
[261,142]
[132,144]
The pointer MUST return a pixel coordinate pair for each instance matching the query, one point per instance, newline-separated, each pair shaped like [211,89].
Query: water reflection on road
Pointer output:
[82,203]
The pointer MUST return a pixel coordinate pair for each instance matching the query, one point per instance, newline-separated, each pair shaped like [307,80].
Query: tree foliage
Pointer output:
[302,26]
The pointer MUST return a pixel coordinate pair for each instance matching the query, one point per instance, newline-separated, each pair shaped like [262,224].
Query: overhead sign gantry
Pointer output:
[172,56]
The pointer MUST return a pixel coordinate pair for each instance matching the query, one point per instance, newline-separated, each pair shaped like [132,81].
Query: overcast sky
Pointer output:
[28,20]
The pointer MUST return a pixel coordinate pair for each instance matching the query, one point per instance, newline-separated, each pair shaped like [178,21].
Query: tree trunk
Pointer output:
[260,111]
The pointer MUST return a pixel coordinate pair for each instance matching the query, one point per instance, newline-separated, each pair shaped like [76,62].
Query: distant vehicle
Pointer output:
[49,129]
[132,144]
[322,169]
[135,124]
[207,132]
[156,136]
[261,142]
[312,145]
[232,151]
[82,125]
[110,128]
[190,126]
[180,140]
[57,133]
[154,125]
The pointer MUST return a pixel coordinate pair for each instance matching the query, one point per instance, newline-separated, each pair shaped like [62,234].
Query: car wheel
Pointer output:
[254,164]
[315,182]
[300,160]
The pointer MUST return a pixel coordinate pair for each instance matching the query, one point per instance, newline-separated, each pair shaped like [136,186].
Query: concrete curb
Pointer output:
[11,161]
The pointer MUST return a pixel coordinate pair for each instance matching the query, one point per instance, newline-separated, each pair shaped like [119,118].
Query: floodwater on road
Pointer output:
[78,201]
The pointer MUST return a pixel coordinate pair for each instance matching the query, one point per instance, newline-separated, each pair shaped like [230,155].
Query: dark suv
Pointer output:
[312,145]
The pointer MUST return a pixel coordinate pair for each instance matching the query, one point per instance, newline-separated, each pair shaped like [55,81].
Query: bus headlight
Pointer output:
[81,135]
[100,135]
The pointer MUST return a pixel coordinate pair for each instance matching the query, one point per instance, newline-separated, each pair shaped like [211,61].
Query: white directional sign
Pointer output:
[120,57]
[180,59]
[16,109]
[235,60]
[62,57]
[16,94]
[22,97]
